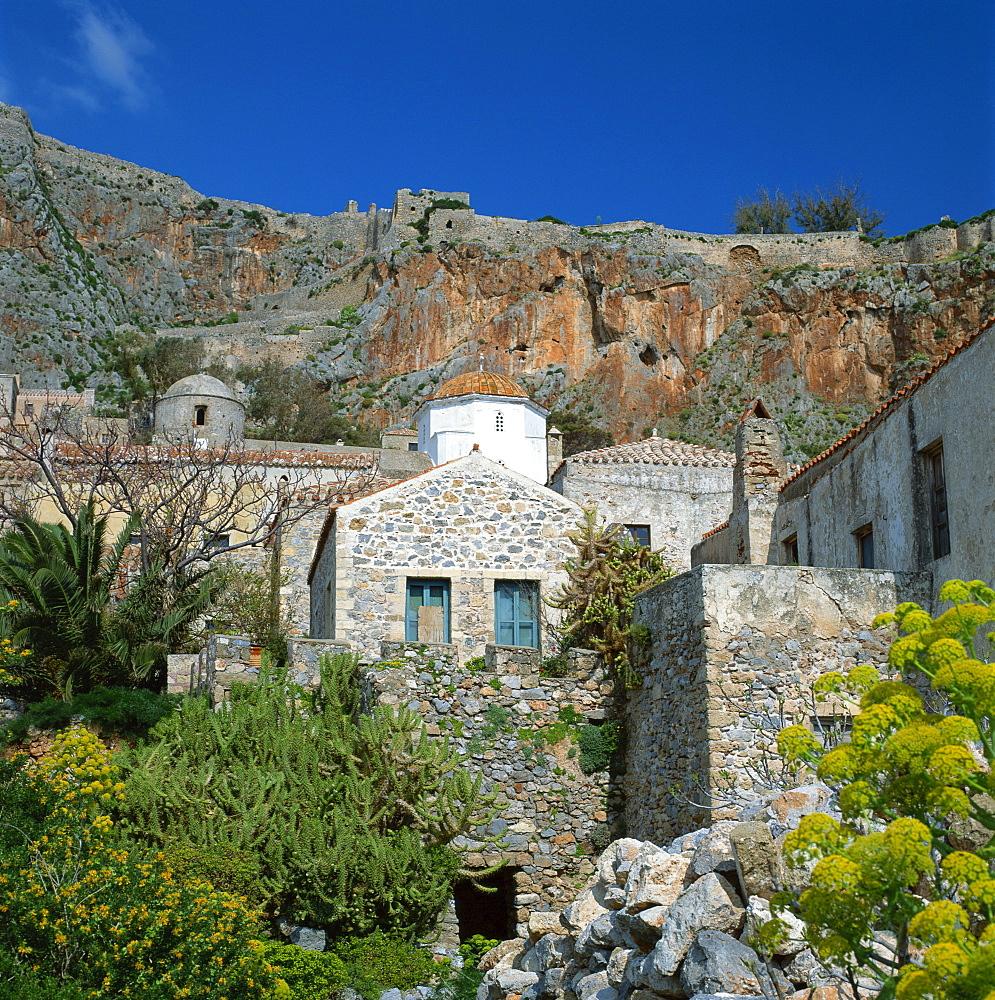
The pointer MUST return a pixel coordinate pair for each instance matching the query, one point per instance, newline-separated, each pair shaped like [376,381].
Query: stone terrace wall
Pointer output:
[727,643]
[548,809]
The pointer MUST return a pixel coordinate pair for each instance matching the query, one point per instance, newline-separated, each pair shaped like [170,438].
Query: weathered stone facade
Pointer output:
[729,645]
[676,490]
[548,809]
[880,479]
[904,491]
[469,524]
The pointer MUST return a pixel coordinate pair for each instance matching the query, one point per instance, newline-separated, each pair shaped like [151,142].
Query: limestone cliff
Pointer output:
[632,326]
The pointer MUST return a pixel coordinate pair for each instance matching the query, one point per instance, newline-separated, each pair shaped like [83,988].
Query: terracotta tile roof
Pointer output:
[485,383]
[715,530]
[249,456]
[889,404]
[657,451]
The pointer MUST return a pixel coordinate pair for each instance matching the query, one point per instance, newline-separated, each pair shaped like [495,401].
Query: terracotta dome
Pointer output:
[484,383]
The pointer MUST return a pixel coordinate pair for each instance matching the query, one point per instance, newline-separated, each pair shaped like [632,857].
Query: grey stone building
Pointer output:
[667,493]
[462,554]
[202,407]
[910,490]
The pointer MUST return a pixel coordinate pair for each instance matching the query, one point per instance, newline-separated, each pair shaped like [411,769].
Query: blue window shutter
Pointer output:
[425,593]
[516,613]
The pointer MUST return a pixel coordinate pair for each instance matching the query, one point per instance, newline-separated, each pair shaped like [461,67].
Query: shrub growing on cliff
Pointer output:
[898,865]
[349,817]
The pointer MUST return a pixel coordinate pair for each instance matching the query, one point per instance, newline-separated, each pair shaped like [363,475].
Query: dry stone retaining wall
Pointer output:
[548,809]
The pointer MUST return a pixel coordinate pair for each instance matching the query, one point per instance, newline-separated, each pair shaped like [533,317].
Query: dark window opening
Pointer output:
[412,446]
[938,501]
[639,533]
[449,224]
[200,415]
[789,548]
[491,914]
[865,547]
[217,543]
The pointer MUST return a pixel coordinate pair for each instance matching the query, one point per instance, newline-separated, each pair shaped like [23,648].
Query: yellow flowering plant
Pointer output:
[13,659]
[77,907]
[916,774]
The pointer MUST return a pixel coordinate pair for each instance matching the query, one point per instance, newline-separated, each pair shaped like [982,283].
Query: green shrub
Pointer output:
[129,711]
[311,975]
[222,867]
[78,907]
[552,218]
[207,205]
[597,744]
[254,217]
[338,244]
[379,962]
[555,666]
[900,870]
[348,816]
[21,983]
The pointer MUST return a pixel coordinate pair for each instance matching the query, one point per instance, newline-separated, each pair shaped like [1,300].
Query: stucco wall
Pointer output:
[727,643]
[679,503]
[471,522]
[880,479]
[449,428]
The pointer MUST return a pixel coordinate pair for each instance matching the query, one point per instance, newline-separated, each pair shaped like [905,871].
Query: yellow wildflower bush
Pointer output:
[77,907]
[892,869]
[12,657]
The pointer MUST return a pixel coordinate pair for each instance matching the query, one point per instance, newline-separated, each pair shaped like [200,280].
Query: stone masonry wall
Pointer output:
[679,503]
[729,643]
[548,810]
[470,522]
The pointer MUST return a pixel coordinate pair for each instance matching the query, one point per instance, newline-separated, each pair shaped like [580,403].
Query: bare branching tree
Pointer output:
[195,504]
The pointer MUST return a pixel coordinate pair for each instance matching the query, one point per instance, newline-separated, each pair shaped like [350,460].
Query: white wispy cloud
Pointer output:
[111,49]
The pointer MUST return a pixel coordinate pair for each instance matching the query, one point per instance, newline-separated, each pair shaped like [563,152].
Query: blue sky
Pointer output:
[662,111]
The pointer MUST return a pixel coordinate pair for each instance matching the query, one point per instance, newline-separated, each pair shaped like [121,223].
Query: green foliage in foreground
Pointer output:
[80,634]
[350,817]
[310,975]
[380,961]
[898,868]
[128,711]
[80,911]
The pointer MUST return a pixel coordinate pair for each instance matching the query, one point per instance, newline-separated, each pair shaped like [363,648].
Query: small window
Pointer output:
[217,543]
[412,446]
[516,613]
[200,416]
[29,409]
[789,551]
[936,475]
[865,547]
[421,626]
[639,533]
[499,422]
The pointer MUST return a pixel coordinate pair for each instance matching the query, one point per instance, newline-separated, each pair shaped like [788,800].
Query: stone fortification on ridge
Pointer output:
[424,218]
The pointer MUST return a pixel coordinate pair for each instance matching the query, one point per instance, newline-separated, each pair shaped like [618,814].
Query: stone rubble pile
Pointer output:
[672,921]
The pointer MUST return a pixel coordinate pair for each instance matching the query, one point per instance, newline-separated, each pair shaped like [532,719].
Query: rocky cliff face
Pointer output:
[628,339]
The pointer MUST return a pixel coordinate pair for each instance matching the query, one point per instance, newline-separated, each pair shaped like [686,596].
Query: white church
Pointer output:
[494,413]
